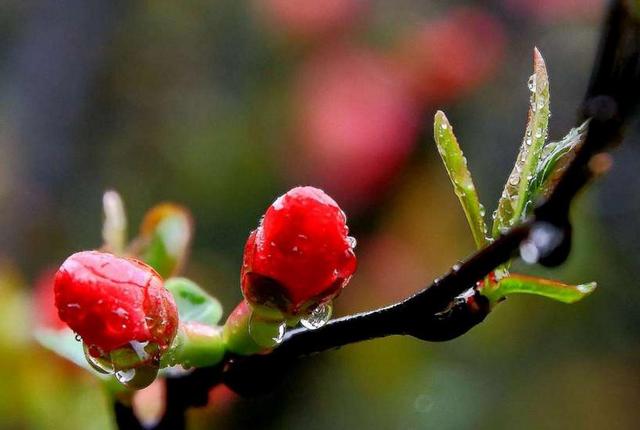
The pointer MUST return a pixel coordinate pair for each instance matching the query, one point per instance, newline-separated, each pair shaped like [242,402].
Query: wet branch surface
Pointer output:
[441,311]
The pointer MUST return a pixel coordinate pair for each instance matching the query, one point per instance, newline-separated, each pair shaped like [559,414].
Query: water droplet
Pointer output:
[586,288]
[514,179]
[265,332]
[528,141]
[100,364]
[482,211]
[78,338]
[352,242]
[444,126]
[121,312]
[318,316]
[138,377]
[538,134]
[531,83]
[278,203]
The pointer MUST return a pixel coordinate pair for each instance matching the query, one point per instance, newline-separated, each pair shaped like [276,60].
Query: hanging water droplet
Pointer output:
[352,242]
[514,179]
[138,377]
[482,211]
[100,364]
[78,338]
[265,332]
[318,316]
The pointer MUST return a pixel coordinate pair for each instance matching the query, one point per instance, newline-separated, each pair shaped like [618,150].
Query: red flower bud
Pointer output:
[110,301]
[300,255]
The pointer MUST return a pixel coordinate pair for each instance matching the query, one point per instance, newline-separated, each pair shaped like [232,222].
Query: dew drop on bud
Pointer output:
[138,377]
[318,316]
[352,242]
[100,364]
[265,332]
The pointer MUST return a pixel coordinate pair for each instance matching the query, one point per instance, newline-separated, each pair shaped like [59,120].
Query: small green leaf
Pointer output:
[114,227]
[194,303]
[556,156]
[164,239]
[515,196]
[523,284]
[456,165]
[63,342]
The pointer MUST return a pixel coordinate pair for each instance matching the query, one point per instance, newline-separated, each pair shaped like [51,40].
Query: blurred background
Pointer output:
[222,105]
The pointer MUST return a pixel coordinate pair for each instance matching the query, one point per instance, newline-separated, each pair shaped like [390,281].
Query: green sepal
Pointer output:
[194,303]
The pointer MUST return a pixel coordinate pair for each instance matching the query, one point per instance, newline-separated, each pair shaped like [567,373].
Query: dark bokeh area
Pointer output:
[224,105]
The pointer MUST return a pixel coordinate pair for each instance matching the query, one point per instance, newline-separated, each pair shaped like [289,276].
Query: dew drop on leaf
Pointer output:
[531,83]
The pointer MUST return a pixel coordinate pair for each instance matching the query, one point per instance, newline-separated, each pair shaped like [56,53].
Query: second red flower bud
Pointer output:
[300,256]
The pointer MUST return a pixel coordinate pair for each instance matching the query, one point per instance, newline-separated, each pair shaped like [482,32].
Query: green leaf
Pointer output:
[114,227]
[555,159]
[165,235]
[456,165]
[194,303]
[63,342]
[523,284]
[515,196]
